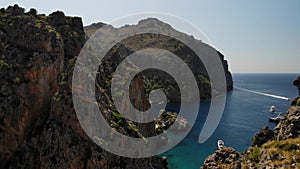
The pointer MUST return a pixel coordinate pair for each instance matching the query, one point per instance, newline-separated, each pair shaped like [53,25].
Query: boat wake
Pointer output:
[264,94]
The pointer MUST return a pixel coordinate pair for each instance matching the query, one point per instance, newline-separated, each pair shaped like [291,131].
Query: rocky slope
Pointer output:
[38,125]
[278,148]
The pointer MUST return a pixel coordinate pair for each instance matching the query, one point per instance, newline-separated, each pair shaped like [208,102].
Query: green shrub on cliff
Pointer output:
[2,23]
[118,118]
[3,65]
[254,154]
[204,80]
[33,12]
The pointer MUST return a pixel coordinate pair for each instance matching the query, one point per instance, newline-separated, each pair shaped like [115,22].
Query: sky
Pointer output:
[256,36]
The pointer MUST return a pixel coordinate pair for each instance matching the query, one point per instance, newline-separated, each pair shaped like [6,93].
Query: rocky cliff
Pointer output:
[38,124]
[278,148]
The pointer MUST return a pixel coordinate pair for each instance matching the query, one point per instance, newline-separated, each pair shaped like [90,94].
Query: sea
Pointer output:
[246,112]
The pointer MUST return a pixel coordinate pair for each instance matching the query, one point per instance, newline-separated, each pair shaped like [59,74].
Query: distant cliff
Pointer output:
[278,148]
[159,79]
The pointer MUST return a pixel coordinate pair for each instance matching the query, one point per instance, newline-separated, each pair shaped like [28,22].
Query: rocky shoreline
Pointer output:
[278,148]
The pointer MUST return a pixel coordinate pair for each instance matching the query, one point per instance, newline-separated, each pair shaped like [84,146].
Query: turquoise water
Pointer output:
[245,114]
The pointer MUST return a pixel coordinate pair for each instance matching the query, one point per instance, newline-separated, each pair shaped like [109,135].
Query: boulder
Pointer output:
[262,136]
[225,157]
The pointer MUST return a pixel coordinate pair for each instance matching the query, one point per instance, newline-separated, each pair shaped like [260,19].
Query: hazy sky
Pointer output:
[256,36]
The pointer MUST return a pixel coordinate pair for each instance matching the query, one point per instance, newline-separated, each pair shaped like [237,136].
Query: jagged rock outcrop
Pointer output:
[289,127]
[262,136]
[226,157]
[38,124]
[279,148]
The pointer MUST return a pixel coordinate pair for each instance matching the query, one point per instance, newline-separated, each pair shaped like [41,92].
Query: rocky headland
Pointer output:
[154,79]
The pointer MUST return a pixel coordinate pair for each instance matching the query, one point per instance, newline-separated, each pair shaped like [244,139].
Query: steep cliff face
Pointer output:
[278,148]
[38,124]
[33,55]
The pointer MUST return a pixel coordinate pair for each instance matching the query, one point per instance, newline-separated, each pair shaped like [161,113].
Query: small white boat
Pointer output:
[272,109]
[220,144]
[276,119]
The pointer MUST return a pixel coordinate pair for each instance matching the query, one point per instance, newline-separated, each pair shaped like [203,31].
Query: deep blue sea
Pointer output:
[246,112]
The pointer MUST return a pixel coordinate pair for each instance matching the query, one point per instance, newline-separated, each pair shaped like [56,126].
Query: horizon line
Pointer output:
[265,73]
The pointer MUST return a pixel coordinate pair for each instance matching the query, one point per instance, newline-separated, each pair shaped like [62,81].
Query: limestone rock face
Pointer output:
[33,57]
[38,124]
